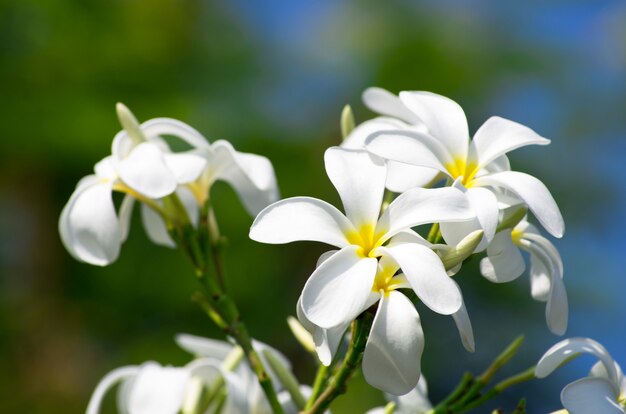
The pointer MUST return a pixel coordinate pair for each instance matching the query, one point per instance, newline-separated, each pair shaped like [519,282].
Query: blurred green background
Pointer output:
[272,77]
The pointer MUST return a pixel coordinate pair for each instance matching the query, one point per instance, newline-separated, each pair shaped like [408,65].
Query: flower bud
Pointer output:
[457,254]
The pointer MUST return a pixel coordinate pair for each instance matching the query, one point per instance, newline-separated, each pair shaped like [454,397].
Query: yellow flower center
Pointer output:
[366,238]
[461,168]
[516,236]
[385,280]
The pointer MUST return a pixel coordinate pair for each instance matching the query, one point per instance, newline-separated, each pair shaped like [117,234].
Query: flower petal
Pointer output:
[186,167]
[443,117]
[359,178]
[301,218]
[155,227]
[504,262]
[168,126]
[125,214]
[89,227]
[145,171]
[420,206]
[384,102]
[106,383]
[391,361]
[356,138]
[533,192]
[464,325]
[251,176]
[338,290]
[204,347]
[158,390]
[427,277]
[570,347]
[410,147]
[557,311]
[497,136]
[590,396]
[415,401]
[599,370]
[402,177]
[485,206]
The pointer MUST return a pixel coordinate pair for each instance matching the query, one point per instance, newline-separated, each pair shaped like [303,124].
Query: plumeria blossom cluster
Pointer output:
[423,140]
[215,381]
[419,198]
[172,187]
[603,391]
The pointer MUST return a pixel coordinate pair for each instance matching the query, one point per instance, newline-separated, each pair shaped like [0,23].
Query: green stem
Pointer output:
[337,386]
[318,385]
[434,235]
[466,382]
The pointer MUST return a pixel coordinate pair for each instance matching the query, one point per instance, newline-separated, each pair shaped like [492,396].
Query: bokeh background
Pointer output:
[272,78]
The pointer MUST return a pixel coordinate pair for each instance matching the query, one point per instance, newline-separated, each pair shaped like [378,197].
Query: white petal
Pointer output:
[301,218]
[125,214]
[402,177]
[464,325]
[590,396]
[599,370]
[356,138]
[89,227]
[106,383]
[497,136]
[504,262]
[427,277]
[567,348]
[105,169]
[408,236]
[443,117]
[391,361]
[540,279]
[155,227]
[326,341]
[415,401]
[122,145]
[533,192]
[410,147]
[251,176]
[158,390]
[186,167]
[190,203]
[204,347]
[325,256]
[557,310]
[168,126]
[420,206]
[384,102]
[145,171]
[485,206]
[338,290]
[359,178]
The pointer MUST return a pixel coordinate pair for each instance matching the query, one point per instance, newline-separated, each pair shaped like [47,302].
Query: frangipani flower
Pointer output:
[479,165]
[364,270]
[504,263]
[603,391]
[414,402]
[244,394]
[400,176]
[143,167]
[151,388]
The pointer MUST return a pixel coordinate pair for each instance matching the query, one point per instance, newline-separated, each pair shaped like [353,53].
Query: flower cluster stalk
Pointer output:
[338,384]
[214,300]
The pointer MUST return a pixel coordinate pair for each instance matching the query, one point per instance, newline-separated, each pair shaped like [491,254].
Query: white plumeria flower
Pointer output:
[603,391]
[151,388]
[479,165]
[504,263]
[400,176]
[143,167]
[414,402]
[363,270]
[244,394]
[326,342]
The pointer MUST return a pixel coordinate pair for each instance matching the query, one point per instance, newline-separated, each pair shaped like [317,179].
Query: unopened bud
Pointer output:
[301,334]
[511,216]
[347,121]
[129,123]
[457,254]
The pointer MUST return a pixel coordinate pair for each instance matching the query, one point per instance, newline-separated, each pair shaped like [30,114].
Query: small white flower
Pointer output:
[414,402]
[143,167]
[603,391]
[504,263]
[372,250]
[479,165]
